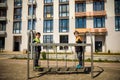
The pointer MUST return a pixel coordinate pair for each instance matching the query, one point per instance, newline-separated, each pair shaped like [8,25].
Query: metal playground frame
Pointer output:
[55,45]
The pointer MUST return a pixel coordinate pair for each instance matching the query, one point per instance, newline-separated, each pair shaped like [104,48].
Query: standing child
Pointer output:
[37,50]
[78,49]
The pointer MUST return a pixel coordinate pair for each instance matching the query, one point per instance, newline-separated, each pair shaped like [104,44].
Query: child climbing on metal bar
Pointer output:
[78,49]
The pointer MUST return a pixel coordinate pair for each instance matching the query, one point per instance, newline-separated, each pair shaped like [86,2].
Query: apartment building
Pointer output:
[56,20]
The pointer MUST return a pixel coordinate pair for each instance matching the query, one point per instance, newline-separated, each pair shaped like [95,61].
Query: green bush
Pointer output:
[109,52]
[44,55]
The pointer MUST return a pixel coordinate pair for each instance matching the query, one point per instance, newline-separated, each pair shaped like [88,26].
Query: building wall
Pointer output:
[111,40]
[9,26]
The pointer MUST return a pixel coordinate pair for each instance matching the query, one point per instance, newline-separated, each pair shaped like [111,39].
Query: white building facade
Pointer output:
[56,20]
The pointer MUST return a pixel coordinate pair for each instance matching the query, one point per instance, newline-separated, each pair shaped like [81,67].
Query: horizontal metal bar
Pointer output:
[59,44]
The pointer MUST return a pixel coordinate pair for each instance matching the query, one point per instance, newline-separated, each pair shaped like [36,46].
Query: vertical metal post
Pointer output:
[83,54]
[48,56]
[31,26]
[34,57]
[31,47]
[28,66]
[56,57]
[65,57]
[91,55]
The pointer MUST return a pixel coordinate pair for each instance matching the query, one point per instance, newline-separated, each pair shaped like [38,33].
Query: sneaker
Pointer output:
[78,66]
[37,67]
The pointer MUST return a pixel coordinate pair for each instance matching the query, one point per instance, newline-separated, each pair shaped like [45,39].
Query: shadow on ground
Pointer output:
[87,70]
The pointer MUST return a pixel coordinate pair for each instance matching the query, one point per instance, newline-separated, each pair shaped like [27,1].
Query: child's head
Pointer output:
[38,35]
[76,33]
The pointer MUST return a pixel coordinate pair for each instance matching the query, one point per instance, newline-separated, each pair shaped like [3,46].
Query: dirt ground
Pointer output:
[12,69]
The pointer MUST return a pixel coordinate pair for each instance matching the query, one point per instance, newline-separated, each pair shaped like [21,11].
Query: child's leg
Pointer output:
[35,59]
[79,55]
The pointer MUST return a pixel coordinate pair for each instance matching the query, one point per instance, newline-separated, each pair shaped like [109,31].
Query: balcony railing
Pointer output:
[90,14]
[30,17]
[30,2]
[80,1]
[3,18]
[92,30]
[2,33]
[3,5]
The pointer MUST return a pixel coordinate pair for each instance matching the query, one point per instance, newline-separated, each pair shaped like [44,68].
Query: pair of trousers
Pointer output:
[36,58]
[79,56]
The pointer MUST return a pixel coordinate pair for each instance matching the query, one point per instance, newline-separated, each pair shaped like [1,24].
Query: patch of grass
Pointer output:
[100,53]
[87,60]
[58,52]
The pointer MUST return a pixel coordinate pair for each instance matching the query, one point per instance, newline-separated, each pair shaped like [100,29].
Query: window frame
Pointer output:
[46,13]
[79,6]
[67,38]
[78,23]
[98,5]
[63,25]
[17,29]
[46,28]
[33,26]
[63,10]
[117,23]
[96,22]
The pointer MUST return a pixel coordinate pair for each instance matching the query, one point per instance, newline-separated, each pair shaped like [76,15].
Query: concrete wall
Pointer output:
[112,38]
[9,26]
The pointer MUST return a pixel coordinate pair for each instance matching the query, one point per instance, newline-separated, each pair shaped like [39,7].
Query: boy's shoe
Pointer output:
[78,66]
[37,67]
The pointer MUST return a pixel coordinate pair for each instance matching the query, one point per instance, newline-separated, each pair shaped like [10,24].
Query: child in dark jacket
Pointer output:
[37,49]
[78,49]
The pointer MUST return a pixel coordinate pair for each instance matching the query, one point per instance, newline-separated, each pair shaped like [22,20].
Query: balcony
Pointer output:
[3,5]
[98,13]
[80,14]
[81,1]
[30,2]
[30,17]
[100,31]
[2,33]
[90,14]
[3,18]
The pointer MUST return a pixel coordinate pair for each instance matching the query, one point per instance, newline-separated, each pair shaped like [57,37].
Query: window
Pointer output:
[64,10]
[17,27]
[48,1]
[48,39]
[2,42]
[99,22]
[18,2]
[117,23]
[31,1]
[80,7]
[2,1]
[2,12]
[80,22]
[2,25]
[63,25]
[98,5]
[33,26]
[63,39]
[63,0]
[17,13]
[98,46]
[48,26]
[117,6]
[30,10]
[48,11]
